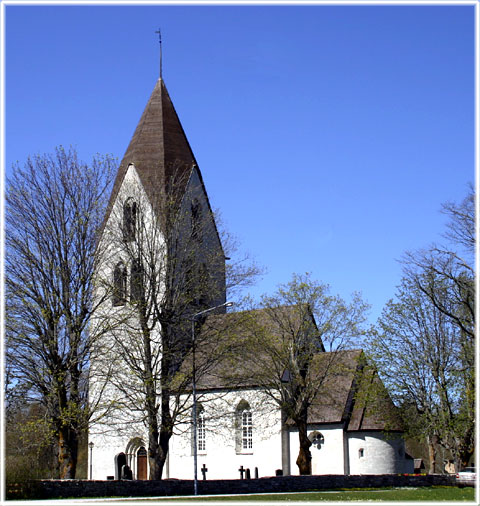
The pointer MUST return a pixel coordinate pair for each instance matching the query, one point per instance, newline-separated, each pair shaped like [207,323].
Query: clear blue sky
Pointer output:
[328,136]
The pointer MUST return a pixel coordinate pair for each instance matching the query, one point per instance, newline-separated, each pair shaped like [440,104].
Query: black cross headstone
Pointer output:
[241,472]
[204,471]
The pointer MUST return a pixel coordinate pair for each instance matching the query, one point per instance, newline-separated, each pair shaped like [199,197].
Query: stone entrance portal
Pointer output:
[137,458]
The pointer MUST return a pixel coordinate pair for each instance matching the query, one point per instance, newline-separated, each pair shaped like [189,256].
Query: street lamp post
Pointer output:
[90,445]
[194,391]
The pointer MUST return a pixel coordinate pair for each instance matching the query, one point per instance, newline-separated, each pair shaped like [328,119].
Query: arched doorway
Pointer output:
[142,463]
[132,453]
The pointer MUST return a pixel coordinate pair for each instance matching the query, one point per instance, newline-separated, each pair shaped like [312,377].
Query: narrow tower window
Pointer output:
[129,219]
[136,281]
[119,285]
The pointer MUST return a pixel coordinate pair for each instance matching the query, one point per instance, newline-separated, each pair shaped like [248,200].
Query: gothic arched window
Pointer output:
[243,428]
[129,219]
[136,281]
[119,285]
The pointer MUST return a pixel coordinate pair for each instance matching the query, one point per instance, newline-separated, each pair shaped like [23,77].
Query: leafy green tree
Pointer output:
[301,322]
[29,449]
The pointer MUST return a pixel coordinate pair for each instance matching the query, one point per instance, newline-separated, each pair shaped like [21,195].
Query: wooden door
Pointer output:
[142,463]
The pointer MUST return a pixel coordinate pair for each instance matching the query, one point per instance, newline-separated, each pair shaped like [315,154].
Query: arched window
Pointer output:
[243,428]
[136,281]
[129,219]
[119,295]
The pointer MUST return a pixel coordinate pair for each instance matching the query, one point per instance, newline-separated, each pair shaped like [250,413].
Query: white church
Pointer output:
[152,225]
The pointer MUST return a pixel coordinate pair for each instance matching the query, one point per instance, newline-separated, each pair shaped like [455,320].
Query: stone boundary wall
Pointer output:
[56,489]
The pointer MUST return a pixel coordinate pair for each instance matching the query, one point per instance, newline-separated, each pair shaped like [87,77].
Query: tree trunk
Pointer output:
[432,453]
[166,423]
[466,447]
[153,452]
[304,459]
[67,453]
[165,436]
[66,431]
[153,435]
[150,384]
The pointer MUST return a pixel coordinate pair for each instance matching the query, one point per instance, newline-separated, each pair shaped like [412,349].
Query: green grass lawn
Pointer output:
[423,494]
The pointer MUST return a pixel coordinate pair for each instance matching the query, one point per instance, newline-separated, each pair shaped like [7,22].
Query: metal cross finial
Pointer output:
[160,42]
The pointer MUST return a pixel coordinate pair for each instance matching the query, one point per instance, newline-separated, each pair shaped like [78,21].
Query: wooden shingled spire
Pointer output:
[159,149]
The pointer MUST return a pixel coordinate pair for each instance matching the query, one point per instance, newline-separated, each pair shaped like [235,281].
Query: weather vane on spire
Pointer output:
[160,42]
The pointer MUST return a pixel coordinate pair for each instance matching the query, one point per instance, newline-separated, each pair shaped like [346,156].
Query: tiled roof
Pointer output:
[352,393]
[373,408]
[333,402]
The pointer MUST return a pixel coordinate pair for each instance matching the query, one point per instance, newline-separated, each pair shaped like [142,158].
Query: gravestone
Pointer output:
[126,473]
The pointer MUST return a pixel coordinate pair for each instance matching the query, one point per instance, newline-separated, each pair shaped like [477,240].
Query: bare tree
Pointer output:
[296,346]
[425,344]
[417,350]
[165,263]
[54,206]
[461,227]
[450,267]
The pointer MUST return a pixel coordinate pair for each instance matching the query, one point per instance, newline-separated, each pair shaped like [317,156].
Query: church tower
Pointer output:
[161,161]
[160,261]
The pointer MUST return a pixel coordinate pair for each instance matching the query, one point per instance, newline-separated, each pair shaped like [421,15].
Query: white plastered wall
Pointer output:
[116,425]
[376,453]
[329,458]
[222,457]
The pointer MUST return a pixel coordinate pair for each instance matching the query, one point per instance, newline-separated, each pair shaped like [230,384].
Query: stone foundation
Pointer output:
[56,489]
